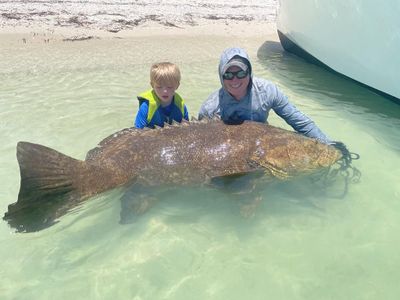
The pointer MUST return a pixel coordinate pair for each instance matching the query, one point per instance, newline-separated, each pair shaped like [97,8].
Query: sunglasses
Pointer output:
[239,74]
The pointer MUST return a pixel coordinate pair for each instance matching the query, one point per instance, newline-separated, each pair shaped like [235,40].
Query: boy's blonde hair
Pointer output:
[165,73]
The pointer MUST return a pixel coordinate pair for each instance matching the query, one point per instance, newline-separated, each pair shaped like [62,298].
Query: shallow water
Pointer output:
[302,243]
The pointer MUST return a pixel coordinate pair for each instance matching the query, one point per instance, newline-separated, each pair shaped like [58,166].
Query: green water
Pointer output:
[194,243]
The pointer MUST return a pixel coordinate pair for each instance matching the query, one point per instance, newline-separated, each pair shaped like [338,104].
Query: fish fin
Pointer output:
[116,138]
[185,122]
[51,184]
[269,168]
[175,123]
[45,171]
[136,201]
[46,178]
[238,183]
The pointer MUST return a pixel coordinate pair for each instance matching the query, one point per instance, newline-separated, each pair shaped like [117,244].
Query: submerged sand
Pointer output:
[75,20]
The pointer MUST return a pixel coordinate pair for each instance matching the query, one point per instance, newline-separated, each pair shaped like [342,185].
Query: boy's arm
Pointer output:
[141,117]
[186,113]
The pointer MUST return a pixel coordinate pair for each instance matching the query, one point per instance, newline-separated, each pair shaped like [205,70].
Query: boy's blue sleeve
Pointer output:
[186,113]
[141,117]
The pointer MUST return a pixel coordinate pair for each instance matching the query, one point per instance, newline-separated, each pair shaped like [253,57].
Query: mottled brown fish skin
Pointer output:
[188,153]
[196,151]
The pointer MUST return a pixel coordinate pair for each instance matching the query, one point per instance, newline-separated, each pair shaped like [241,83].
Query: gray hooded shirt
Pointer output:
[262,95]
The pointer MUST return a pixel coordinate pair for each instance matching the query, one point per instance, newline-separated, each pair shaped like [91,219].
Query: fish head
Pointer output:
[290,154]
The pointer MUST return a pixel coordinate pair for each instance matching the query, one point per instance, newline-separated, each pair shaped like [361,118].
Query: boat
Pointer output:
[357,39]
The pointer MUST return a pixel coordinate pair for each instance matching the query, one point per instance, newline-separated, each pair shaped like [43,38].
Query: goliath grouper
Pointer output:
[180,154]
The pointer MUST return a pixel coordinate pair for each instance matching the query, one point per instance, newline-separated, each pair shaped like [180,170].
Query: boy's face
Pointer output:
[165,92]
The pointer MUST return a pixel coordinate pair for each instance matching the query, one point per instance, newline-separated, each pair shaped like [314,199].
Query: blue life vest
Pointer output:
[155,115]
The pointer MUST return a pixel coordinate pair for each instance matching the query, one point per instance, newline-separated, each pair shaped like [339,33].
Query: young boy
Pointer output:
[161,104]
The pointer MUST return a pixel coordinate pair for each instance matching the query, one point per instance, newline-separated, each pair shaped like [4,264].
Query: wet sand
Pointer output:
[76,20]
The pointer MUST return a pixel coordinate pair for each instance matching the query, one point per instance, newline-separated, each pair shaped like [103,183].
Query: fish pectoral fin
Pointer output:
[270,169]
[136,201]
[248,209]
[238,183]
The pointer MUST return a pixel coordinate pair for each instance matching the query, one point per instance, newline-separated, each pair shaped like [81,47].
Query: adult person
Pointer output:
[246,97]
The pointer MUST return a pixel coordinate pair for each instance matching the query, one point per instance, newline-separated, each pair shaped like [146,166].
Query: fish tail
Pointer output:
[51,184]
[45,172]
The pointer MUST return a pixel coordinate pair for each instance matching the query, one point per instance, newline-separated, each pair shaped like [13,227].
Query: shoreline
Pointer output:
[72,20]
[236,29]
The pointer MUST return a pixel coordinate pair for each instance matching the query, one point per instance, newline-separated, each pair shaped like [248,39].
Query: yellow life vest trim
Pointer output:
[154,102]
[151,97]
[178,101]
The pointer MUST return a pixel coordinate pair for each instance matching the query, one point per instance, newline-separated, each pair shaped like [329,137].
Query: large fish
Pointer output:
[181,154]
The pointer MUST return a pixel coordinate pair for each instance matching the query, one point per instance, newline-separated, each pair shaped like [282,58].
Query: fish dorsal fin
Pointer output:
[213,118]
[216,117]
[175,123]
[207,119]
[185,122]
[119,136]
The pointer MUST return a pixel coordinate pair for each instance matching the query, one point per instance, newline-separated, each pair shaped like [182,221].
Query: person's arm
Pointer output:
[186,113]
[210,107]
[141,117]
[295,118]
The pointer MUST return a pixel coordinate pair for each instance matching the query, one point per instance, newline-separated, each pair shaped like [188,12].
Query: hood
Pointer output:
[230,53]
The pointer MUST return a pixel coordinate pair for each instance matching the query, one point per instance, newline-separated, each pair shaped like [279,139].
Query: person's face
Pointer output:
[165,92]
[236,87]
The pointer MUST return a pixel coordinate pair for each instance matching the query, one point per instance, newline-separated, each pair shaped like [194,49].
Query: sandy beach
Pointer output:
[47,21]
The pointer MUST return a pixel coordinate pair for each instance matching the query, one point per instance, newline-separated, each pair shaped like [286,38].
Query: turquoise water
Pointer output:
[194,243]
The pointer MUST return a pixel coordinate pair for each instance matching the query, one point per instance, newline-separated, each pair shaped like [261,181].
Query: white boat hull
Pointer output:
[357,38]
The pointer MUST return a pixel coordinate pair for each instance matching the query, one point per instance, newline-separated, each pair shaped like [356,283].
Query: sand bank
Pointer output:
[76,20]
